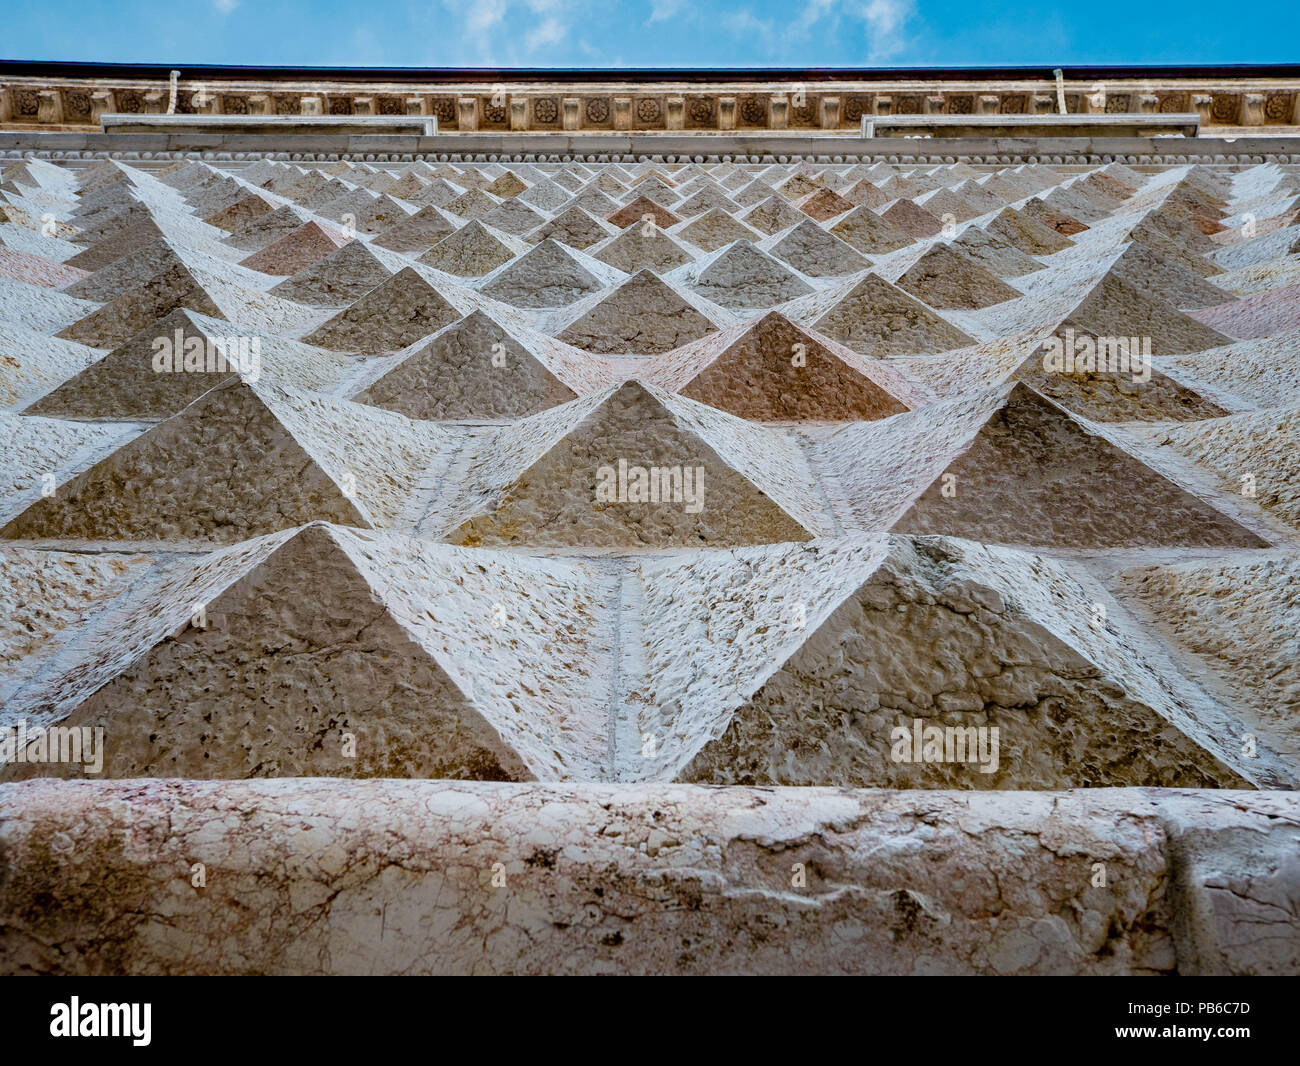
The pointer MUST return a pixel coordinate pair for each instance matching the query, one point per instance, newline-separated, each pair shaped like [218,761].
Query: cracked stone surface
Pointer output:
[397,878]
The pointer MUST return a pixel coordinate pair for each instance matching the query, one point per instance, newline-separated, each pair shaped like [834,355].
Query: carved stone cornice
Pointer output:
[598,102]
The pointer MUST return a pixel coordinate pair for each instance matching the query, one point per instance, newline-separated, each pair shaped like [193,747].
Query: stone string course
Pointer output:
[427,877]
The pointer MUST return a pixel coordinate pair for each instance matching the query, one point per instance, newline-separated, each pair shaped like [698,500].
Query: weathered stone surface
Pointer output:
[472,369]
[643,316]
[420,541]
[357,877]
[753,487]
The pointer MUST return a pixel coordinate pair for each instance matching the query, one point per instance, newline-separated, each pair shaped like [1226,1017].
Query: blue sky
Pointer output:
[652,33]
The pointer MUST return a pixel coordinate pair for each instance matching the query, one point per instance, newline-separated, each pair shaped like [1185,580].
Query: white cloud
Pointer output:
[883,22]
[225,7]
[663,10]
[504,32]
[482,15]
[548,31]
[744,23]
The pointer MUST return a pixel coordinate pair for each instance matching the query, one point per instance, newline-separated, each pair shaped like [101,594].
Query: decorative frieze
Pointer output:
[833,104]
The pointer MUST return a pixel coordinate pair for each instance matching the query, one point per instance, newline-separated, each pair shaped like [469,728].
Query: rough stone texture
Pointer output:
[945,278]
[397,877]
[760,374]
[553,501]
[393,539]
[396,312]
[125,385]
[472,369]
[1012,474]
[473,250]
[643,316]
[241,460]
[876,318]
[550,275]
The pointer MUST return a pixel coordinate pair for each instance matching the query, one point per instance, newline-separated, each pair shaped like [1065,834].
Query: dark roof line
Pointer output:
[195,72]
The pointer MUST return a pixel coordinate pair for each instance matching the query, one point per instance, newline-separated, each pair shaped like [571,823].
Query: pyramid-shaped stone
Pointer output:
[823,204]
[640,211]
[1035,475]
[1060,221]
[1237,614]
[127,313]
[339,676]
[241,212]
[295,251]
[174,361]
[589,470]
[869,233]
[739,275]
[1136,393]
[398,311]
[268,228]
[340,277]
[240,461]
[418,233]
[472,369]
[514,217]
[776,371]
[471,205]
[473,250]
[1000,257]
[853,704]
[714,229]
[1252,456]
[575,227]
[813,251]
[1023,232]
[911,218]
[637,248]
[947,279]
[506,186]
[546,196]
[876,318]
[549,275]
[772,215]
[706,199]
[1116,308]
[643,316]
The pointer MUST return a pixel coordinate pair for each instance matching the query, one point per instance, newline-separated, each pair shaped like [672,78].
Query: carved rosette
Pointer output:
[545,110]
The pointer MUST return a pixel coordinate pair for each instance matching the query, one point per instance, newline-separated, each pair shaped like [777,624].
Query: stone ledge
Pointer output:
[276,125]
[1120,125]
[331,876]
